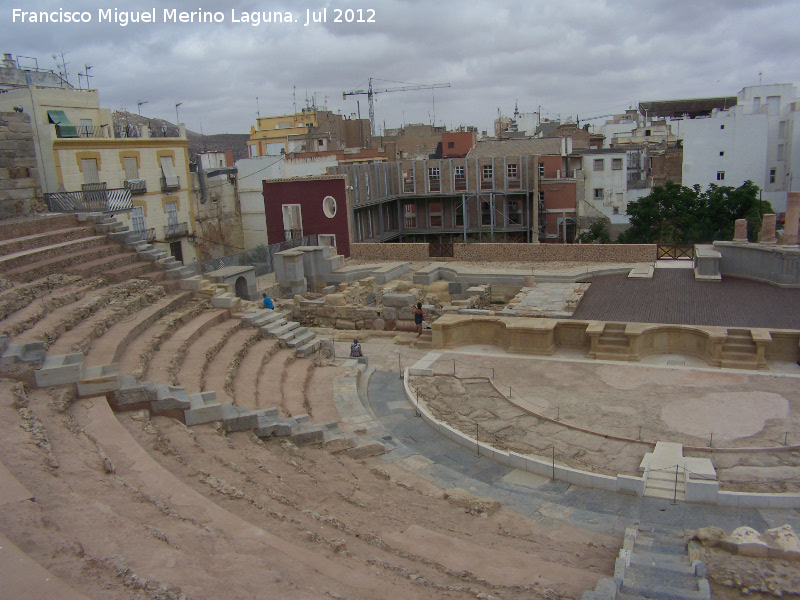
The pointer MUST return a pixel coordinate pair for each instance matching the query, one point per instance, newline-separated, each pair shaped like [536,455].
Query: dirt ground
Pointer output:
[113,524]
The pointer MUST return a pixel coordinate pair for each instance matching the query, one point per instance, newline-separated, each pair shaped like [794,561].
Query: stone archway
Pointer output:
[240,288]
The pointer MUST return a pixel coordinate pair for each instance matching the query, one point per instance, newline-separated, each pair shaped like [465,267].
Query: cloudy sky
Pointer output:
[571,57]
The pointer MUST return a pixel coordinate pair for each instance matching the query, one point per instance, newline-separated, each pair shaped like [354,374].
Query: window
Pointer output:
[458,172]
[459,215]
[168,170]
[512,171]
[320,143]
[488,172]
[486,213]
[137,221]
[773,105]
[292,221]
[89,168]
[514,212]
[720,175]
[327,239]
[722,126]
[329,207]
[410,214]
[451,145]
[772,173]
[757,102]
[722,152]
[647,132]
[408,180]
[131,168]
[434,179]
[435,214]
[615,210]
[783,129]
[598,193]
[599,164]
[781,151]
[541,169]
[172,218]
[616,164]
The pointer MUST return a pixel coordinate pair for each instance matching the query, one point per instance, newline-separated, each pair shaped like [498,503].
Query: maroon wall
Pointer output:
[308,194]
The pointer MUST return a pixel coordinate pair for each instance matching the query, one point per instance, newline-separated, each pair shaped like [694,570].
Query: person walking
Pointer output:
[419,315]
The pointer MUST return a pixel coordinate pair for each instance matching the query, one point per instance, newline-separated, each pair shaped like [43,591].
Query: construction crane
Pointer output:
[578,119]
[370,92]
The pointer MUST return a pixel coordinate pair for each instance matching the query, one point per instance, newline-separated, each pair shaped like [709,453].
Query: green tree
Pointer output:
[597,232]
[676,214]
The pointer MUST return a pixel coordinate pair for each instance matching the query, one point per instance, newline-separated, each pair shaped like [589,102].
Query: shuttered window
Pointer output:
[131,168]
[168,169]
[89,169]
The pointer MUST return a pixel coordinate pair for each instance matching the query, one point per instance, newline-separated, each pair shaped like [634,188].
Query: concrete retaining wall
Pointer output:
[624,253]
[778,265]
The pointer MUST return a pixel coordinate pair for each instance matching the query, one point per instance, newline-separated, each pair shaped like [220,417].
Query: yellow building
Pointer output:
[152,174]
[311,130]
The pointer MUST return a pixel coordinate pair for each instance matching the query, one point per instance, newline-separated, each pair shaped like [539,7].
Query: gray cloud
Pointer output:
[581,57]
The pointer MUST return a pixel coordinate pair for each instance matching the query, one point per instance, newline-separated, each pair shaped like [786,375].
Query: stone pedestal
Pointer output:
[792,216]
[740,232]
[768,229]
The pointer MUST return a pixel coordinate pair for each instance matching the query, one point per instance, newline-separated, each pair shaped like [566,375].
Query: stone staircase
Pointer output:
[275,324]
[613,344]
[739,350]
[653,564]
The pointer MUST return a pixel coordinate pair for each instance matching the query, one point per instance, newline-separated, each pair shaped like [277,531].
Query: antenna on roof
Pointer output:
[258,110]
[62,66]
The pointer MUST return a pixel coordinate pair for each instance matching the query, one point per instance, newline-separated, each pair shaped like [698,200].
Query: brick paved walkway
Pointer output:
[673,296]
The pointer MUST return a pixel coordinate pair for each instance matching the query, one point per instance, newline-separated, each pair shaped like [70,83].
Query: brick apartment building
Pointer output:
[499,192]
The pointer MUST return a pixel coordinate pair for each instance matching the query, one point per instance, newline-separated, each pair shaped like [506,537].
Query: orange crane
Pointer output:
[370,92]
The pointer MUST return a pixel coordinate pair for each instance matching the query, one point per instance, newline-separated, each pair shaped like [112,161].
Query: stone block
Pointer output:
[21,358]
[398,300]
[328,289]
[366,449]
[388,312]
[747,542]
[336,299]
[345,324]
[170,397]
[133,392]
[204,408]
[783,542]
[98,380]
[59,370]
[241,421]
[406,313]
[306,435]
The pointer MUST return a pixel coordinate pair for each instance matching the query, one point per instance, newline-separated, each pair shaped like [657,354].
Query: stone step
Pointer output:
[290,335]
[271,316]
[46,238]
[308,348]
[665,494]
[673,566]
[281,329]
[655,591]
[56,251]
[301,339]
[179,272]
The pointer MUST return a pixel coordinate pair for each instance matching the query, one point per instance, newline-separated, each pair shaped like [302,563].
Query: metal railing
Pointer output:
[408,185]
[82,131]
[136,186]
[174,230]
[102,200]
[169,186]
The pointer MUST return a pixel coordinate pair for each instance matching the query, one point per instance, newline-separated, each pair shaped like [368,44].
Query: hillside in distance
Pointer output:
[221,142]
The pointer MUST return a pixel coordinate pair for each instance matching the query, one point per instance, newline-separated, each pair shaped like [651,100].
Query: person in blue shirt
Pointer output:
[268,302]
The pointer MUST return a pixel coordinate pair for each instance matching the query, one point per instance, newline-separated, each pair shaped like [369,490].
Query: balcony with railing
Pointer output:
[460,183]
[408,185]
[145,235]
[175,230]
[435,185]
[136,186]
[82,131]
[487,184]
[514,183]
[169,184]
[93,197]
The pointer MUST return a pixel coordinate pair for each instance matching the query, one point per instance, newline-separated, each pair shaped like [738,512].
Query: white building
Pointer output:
[752,140]
[252,172]
[612,178]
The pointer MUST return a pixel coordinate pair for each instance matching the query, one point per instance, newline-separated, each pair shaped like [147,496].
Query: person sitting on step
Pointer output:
[355,349]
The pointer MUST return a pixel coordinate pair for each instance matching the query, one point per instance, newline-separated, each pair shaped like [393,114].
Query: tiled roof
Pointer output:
[523,147]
